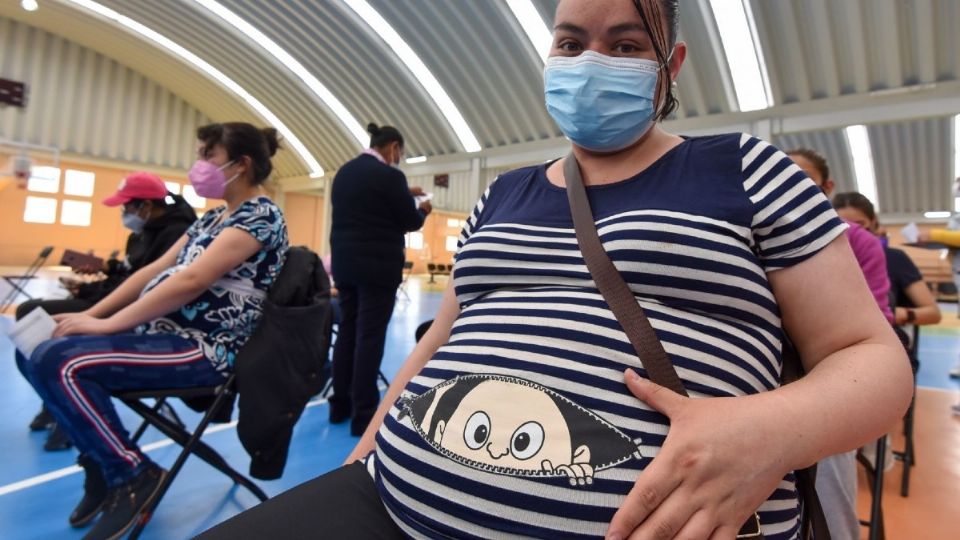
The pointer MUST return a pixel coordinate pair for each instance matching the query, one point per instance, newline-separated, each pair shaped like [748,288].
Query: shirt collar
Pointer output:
[374,153]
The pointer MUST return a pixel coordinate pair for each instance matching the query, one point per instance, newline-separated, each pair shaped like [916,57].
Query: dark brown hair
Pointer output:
[819,162]
[243,139]
[853,199]
[668,11]
[382,136]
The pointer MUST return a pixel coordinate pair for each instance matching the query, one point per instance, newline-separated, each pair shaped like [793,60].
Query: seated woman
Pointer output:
[155,225]
[525,412]
[177,322]
[913,302]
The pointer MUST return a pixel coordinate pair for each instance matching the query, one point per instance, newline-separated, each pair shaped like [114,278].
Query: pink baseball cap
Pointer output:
[138,185]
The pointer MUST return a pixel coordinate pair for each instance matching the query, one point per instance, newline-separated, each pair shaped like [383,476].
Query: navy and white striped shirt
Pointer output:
[521,425]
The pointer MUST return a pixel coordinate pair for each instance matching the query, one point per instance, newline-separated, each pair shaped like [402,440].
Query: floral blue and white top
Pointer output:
[222,319]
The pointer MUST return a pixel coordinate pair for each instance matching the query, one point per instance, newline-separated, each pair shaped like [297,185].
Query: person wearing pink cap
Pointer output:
[156,220]
[178,322]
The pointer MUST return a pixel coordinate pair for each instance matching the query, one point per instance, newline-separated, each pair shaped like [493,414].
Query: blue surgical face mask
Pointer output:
[133,222]
[601,103]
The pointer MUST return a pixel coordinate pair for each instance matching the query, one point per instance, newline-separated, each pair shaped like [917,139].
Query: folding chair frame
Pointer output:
[21,280]
[402,288]
[328,386]
[875,482]
[190,442]
[907,456]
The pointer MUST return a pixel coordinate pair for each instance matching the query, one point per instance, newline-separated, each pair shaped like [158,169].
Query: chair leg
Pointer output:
[16,289]
[158,407]
[909,459]
[874,474]
[191,445]
[876,506]
[135,438]
[907,456]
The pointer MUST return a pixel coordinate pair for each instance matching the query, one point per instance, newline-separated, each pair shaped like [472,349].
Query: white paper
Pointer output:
[420,198]
[32,330]
[911,233]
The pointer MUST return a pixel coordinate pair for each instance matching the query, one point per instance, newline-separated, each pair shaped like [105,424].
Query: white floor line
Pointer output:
[73,469]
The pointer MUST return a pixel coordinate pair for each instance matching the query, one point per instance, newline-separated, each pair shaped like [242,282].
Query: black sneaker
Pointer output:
[124,502]
[57,439]
[42,420]
[94,493]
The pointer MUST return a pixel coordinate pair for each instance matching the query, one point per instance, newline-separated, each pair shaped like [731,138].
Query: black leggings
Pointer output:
[342,504]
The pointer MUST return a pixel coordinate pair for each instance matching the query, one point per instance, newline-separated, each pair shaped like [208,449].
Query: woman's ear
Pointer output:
[246,164]
[676,61]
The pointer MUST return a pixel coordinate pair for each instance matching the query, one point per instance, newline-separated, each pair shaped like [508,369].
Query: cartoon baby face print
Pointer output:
[512,426]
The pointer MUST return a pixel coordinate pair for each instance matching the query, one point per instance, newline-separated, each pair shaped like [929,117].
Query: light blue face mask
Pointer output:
[601,103]
[133,222]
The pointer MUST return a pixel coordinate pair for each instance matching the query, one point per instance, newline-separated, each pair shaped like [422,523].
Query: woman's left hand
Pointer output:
[719,463]
[82,324]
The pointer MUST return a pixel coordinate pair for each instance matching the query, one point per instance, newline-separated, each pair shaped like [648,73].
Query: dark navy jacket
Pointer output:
[372,210]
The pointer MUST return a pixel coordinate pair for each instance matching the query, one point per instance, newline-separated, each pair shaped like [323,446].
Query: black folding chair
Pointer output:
[875,482]
[190,441]
[407,270]
[328,386]
[907,456]
[18,283]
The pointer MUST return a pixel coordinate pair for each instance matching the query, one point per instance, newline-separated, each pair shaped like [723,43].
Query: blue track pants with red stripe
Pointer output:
[76,375]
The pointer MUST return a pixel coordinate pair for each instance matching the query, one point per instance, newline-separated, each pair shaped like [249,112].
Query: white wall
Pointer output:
[84,103]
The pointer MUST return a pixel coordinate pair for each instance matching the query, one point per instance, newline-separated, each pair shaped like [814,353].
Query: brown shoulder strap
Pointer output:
[614,290]
[648,347]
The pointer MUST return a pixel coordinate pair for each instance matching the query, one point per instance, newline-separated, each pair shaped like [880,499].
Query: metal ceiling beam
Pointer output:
[886,36]
[712,34]
[852,42]
[923,25]
[824,45]
[925,101]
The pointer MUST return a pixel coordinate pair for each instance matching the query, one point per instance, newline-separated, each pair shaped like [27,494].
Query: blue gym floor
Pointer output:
[39,489]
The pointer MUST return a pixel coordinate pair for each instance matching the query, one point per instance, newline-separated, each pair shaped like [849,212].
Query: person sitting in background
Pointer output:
[910,297]
[866,247]
[950,237]
[178,322]
[912,300]
[156,220]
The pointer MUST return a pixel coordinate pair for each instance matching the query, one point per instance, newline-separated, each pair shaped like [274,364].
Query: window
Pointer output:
[76,213]
[172,187]
[44,180]
[78,183]
[191,196]
[452,243]
[40,210]
[453,223]
[44,209]
[414,240]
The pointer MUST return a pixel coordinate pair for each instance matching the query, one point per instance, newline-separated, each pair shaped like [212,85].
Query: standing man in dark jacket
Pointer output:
[373,208]
[156,220]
